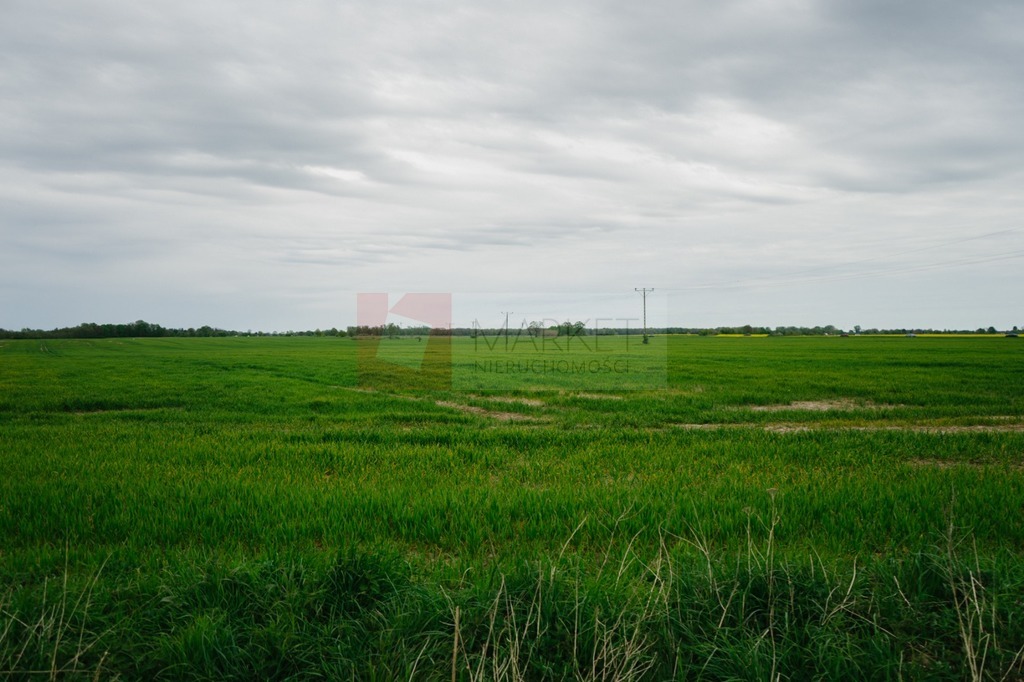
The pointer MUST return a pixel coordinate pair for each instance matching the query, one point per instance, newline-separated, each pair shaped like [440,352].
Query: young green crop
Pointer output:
[278,507]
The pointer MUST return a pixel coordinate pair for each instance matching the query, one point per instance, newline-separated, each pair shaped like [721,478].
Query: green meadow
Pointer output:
[568,509]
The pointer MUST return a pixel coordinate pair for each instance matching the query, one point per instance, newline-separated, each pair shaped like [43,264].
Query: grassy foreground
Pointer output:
[741,508]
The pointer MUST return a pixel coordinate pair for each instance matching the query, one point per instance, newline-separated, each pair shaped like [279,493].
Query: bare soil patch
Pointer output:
[936,463]
[944,428]
[705,427]
[500,416]
[598,396]
[530,402]
[843,404]
[786,428]
[949,464]
[982,428]
[790,427]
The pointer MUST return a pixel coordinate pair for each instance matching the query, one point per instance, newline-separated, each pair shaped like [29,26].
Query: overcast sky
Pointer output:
[254,165]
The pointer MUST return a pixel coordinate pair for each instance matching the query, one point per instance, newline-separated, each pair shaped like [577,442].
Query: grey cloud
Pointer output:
[323,146]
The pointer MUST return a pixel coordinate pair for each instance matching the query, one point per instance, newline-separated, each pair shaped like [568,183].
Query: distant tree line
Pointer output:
[827,330]
[578,328]
[567,328]
[141,328]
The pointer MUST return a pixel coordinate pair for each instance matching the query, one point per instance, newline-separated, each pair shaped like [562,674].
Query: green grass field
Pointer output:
[721,508]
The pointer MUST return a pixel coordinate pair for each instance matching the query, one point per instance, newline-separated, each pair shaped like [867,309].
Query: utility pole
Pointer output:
[644,292]
[506,329]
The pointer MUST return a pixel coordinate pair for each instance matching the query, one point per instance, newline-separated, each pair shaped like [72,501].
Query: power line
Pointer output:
[506,328]
[644,292]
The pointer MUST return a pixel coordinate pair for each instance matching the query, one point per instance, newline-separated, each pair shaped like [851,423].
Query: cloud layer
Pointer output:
[253,165]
